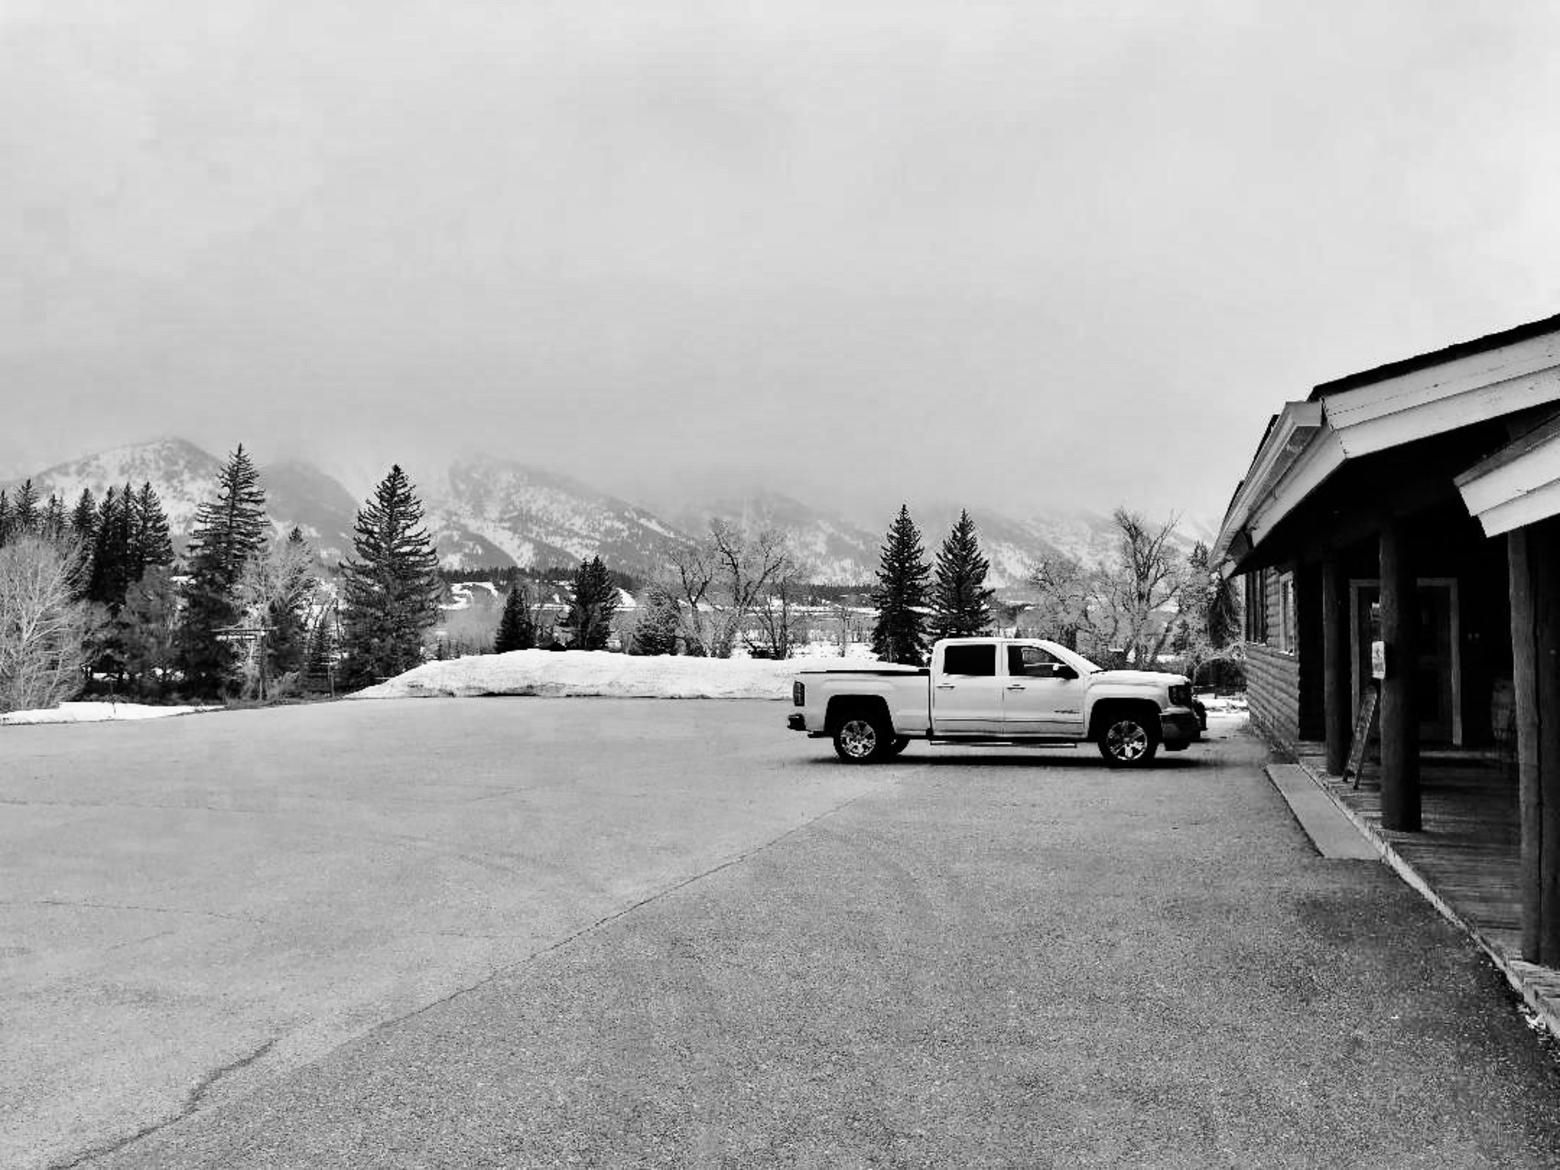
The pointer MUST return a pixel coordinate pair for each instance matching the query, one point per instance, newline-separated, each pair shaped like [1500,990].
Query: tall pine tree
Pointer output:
[24,509]
[960,599]
[7,517]
[228,531]
[150,545]
[391,590]
[516,630]
[52,522]
[595,601]
[83,518]
[899,634]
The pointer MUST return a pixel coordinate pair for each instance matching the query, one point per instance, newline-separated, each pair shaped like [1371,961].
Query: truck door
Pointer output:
[1042,695]
[967,692]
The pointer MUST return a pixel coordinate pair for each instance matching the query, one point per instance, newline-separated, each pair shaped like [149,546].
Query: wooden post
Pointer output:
[1535,652]
[1399,720]
[1335,668]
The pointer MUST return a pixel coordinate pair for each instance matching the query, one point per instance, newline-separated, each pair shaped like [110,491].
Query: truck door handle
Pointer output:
[1016,686]
[945,686]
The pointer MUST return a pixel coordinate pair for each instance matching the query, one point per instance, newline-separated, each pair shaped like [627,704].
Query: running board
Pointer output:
[1026,741]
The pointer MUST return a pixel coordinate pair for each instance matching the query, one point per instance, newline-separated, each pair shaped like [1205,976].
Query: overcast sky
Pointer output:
[1028,254]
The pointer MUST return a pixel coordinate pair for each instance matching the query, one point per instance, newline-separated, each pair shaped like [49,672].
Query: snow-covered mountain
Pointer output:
[182,474]
[494,512]
[535,518]
[831,550]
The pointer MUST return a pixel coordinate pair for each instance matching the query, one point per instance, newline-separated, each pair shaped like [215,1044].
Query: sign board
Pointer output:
[1364,723]
[1378,660]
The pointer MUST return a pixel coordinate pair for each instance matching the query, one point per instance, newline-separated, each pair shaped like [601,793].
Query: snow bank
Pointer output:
[596,672]
[97,712]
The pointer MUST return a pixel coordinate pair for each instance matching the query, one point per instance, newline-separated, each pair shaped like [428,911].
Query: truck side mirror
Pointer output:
[1064,671]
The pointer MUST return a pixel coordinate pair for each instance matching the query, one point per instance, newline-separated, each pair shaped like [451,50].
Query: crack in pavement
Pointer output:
[191,1104]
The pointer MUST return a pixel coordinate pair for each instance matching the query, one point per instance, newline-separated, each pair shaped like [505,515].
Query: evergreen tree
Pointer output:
[7,517]
[659,623]
[960,599]
[111,572]
[392,589]
[52,521]
[228,532]
[150,546]
[595,601]
[147,628]
[516,630]
[24,510]
[900,632]
[83,519]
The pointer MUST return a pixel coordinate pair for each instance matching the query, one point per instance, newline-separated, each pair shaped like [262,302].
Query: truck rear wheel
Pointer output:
[862,739]
[1128,742]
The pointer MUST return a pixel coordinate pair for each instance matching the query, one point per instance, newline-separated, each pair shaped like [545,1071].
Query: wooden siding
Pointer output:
[1273,693]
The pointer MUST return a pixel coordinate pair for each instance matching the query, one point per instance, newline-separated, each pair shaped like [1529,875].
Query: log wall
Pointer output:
[1273,693]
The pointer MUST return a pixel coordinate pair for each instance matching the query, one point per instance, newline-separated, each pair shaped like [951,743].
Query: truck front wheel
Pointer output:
[862,739]
[1128,742]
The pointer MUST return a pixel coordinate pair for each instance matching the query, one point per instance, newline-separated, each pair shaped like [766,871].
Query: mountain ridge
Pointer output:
[486,511]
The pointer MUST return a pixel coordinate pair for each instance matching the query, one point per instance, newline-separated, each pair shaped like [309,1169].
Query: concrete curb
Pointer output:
[1539,987]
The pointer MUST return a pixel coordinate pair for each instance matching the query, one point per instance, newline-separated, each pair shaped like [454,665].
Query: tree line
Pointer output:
[94,599]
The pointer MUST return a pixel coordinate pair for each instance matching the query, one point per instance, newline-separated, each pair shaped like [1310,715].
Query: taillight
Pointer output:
[798,694]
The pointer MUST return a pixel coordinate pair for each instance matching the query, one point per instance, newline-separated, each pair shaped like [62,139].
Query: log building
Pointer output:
[1398,532]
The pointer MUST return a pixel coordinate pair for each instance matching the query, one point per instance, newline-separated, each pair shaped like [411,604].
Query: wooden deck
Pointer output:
[1465,861]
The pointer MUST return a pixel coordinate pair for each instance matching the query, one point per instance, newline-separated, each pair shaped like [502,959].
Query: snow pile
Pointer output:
[97,712]
[596,672]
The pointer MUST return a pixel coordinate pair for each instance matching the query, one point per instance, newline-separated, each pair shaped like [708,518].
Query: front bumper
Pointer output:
[1179,727]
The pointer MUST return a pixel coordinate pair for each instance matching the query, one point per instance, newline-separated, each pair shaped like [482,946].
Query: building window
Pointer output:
[1286,613]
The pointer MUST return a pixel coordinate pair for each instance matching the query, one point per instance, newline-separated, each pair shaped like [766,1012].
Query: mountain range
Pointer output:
[486,511]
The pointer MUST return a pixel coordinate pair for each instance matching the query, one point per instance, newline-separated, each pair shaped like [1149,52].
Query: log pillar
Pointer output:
[1399,720]
[1535,649]
[1337,719]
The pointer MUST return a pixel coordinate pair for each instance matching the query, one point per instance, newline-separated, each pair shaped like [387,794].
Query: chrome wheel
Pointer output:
[1127,742]
[857,739]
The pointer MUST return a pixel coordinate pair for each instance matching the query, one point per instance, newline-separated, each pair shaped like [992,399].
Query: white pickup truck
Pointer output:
[997,690]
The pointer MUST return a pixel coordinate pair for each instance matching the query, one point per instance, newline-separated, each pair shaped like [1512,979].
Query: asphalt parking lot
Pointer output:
[620,932]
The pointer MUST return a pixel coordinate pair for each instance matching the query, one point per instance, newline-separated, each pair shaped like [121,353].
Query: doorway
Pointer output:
[1437,664]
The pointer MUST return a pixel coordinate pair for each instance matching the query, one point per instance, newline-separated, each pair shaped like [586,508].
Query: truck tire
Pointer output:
[1127,741]
[862,738]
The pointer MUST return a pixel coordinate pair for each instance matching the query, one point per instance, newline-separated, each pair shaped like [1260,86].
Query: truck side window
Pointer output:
[1031,662]
[970,660]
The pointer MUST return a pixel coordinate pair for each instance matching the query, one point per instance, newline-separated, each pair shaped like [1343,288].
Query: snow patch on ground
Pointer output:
[597,672]
[97,712]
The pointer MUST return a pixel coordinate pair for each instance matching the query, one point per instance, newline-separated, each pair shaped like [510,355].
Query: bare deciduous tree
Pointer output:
[1126,609]
[42,625]
[722,581]
[1145,588]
